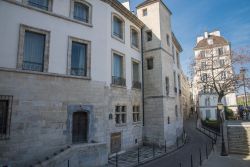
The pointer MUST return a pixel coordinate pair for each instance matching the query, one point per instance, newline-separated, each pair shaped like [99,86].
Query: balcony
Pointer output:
[118,81]
[136,84]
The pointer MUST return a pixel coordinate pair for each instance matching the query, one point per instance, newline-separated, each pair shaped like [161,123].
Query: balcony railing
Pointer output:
[32,66]
[118,81]
[136,84]
[78,71]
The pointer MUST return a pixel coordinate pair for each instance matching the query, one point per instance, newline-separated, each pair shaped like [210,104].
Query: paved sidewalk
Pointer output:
[232,160]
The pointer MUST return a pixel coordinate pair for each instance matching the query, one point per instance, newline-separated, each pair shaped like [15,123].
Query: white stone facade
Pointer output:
[206,99]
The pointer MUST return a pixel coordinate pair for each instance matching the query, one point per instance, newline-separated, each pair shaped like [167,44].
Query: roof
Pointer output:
[176,42]
[148,2]
[125,12]
[217,41]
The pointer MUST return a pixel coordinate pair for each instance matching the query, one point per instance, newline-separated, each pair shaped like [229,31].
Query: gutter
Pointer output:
[142,65]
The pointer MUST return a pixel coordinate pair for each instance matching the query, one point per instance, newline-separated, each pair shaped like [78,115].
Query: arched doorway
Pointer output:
[80,127]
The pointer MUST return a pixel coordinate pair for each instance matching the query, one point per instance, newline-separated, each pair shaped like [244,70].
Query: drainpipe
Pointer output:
[142,64]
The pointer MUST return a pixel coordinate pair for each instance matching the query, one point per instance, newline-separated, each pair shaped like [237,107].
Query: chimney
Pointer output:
[206,34]
[125,3]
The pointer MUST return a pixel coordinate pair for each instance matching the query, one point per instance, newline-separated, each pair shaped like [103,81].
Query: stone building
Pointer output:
[71,75]
[211,49]
[161,69]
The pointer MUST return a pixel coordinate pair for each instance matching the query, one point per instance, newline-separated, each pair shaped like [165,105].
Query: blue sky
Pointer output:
[192,17]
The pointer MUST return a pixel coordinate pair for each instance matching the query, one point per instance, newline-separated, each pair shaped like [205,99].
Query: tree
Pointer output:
[218,70]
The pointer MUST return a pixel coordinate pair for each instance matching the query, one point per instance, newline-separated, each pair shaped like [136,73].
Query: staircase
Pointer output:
[239,137]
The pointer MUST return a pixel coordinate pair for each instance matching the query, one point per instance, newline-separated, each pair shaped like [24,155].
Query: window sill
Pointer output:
[118,39]
[136,89]
[135,48]
[49,13]
[118,86]
[137,123]
[121,125]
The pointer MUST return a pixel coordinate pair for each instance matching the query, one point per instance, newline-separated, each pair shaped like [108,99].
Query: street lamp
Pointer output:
[243,72]
[223,148]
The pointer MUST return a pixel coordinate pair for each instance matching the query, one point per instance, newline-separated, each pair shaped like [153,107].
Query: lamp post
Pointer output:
[243,72]
[223,147]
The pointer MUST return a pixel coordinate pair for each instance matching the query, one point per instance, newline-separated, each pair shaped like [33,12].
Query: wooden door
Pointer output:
[80,127]
[115,142]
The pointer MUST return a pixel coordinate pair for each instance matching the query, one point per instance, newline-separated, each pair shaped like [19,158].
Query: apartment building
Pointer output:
[211,51]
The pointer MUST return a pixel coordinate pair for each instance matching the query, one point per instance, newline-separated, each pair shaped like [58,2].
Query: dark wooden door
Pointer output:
[115,142]
[80,127]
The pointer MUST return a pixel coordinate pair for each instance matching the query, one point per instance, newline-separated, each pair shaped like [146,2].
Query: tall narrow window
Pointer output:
[117,76]
[202,54]
[118,27]
[168,40]
[176,112]
[149,35]
[173,52]
[204,77]
[34,45]
[78,59]
[167,85]
[222,62]
[220,51]
[223,75]
[136,75]
[136,113]
[5,114]
[178,59]
[134,38]
[144,12]
[175,86]
[150,63]
[179,83]
[81,12]
[42,4]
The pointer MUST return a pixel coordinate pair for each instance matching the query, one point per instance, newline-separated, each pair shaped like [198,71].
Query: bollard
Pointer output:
[153,150]
[138,155]
[116,160]
[200,157]
[191,160]
[68,163]
[180,164]
[177,142]
[206,151]
[165,146]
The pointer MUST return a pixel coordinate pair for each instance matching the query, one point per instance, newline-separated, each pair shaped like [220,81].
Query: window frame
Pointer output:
[147,36]
[112,27]
[21,44]
[9,113]
[120,113]
[88,56]
[149,65]
[132,74]
[168,40]
[123,67]
[50,5]
[136,112]
[72,5]
[144,12]
[132,28]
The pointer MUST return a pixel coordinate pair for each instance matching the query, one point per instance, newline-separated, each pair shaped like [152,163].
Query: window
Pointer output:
[149,35]
[118,27]
[202,54]
[33,49]
[175,86]
[120,114]
[168,120]
[223,75]
[136,75]
[118,72]
[150,63]
[204,77]
[179,82]
[203,65]
[81,12]
[222,62]
[178,59]
[207,101]
[136,113]
[208,114]
[167,85]
[5,115]
[176,112]
[173,51]
[42,4]
[134,38]
[168,41]
[220,51]
[79,57]
[144,12]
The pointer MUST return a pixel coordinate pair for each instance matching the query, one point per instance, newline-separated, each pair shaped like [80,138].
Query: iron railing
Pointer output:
[137,84]
[118,81]
[32,66]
